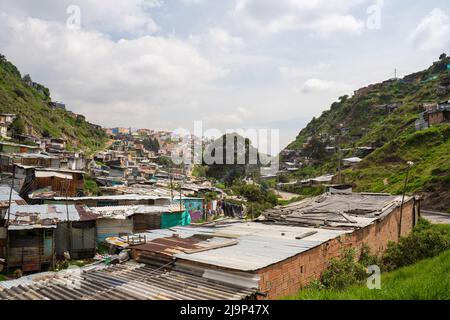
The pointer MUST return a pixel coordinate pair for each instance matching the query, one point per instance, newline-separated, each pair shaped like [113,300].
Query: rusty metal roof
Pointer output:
[46,215]
[128,281]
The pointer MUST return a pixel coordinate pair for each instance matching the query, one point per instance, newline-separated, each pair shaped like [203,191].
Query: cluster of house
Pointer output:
[433,114]
[271,257]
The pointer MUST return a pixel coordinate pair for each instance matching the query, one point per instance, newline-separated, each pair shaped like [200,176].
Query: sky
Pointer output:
[165,64]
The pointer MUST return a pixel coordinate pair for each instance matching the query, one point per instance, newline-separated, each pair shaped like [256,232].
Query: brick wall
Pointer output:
[287,277]
[436,118]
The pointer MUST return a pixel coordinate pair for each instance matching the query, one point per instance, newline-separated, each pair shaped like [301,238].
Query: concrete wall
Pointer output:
[287,277]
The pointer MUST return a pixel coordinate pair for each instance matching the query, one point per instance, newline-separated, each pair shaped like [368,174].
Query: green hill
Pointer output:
[425,280]
[383,116]
[30,101]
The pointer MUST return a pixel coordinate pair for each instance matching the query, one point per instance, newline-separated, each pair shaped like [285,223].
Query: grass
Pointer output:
[32,107]
[425,280]
[3,278]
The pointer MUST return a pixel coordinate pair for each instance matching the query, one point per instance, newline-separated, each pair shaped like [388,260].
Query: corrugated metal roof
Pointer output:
[4,194]
[258,245]
[45,216]
[354,210]
[129,281]
[123,212]
[117,197]
[50,174]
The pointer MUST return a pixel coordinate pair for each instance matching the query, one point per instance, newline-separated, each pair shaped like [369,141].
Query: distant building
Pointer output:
[57,105]
[6,119]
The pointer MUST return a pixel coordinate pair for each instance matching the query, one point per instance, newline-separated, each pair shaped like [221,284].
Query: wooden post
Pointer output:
[401,206]
[8,217]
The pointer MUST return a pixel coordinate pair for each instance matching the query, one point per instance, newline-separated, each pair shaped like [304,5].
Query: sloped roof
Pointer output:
[46,215]
[128,281]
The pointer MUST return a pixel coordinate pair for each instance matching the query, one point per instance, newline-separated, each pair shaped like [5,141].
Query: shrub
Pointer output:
[425,242]
[343,272]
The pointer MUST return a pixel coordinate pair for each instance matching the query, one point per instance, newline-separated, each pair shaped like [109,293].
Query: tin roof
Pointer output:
[117,197]
[283,232]
[123,212]
[128,281]
[4,194]
[256,245]
[46,215]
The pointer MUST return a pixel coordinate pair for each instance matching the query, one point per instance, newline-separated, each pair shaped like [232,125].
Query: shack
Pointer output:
[122,221]
[38,234]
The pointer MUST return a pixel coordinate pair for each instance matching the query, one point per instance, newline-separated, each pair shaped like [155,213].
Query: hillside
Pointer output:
[31,104]
[383,116]
[425,280]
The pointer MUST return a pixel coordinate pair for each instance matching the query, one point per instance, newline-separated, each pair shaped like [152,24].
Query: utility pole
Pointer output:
[69,224]
[410,164]
[10,196]
[170,182]
[8,217]
[180,198]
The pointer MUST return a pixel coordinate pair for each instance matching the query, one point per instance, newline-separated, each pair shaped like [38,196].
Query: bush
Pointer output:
[425,242]
[343,272]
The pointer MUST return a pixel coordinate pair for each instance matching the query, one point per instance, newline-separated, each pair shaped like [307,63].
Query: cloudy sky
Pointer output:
[230,63]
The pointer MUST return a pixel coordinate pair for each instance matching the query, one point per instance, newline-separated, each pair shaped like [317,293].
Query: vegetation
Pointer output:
[259,197]
[366,119]
[425,280]
[231,165]
[90,187]
[345,275]
[425,242]
[36,117]
[151,144]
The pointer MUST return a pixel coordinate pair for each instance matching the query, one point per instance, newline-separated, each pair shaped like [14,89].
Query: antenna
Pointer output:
[395,73]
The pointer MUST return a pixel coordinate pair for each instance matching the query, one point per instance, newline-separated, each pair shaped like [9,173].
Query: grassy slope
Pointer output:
[393,133]
[425,280]
[31,105]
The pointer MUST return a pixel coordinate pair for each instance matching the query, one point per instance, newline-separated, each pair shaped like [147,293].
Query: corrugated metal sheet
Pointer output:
[53,174]
[128,281]
[45,216]
[259,245]
[4,194]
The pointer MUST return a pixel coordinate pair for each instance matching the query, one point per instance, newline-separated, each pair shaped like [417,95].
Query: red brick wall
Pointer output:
[287,277]
[435,118]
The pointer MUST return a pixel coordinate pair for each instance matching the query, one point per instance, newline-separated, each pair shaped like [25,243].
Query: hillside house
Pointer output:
[119,221]
[350,162]
[434,114]
[57,105]
[6,119]
[9,147]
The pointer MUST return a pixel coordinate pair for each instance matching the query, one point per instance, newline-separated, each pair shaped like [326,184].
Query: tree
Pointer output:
[17,127]
[46,134]
[443,56]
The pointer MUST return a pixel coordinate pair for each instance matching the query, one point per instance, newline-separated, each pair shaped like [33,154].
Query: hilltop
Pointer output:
[382,117]
[39,116]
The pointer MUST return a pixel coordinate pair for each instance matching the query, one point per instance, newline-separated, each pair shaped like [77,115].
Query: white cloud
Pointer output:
[191,1]
[142,78]
[216,38]
[319,16]
[308,71]
[130,17]
[319,86]
[433,31]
